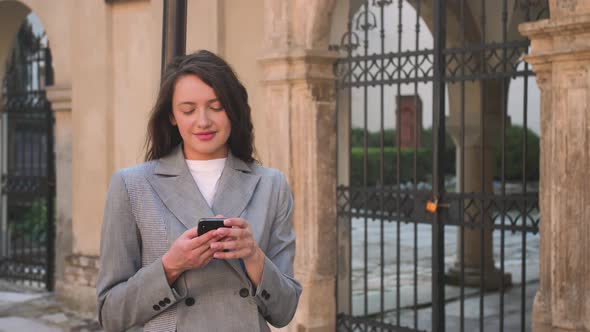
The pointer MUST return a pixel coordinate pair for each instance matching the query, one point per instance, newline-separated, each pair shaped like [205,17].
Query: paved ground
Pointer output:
[420,291]
[25,309]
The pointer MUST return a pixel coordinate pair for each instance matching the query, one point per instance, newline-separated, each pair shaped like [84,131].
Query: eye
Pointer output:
[216,106]
[187,111]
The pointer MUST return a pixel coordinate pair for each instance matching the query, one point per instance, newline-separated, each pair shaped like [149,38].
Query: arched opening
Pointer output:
[27,162]
[394,262]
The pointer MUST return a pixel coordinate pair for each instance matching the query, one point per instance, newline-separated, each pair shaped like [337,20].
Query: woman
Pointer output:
[155,271]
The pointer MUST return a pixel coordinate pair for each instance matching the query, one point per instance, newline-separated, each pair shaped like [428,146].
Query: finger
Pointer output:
[235,233]
[190,233]
[203,240]
[203,257]
[193,233]
[202,249]
[231,245]
[237,222]
[219,216]
[230,254]
[208,253]
[207,245]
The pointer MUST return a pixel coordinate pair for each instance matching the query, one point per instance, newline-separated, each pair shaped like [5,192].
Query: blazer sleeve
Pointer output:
[127,293]
[278,293]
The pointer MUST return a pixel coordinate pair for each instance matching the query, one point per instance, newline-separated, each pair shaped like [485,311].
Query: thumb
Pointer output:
[190,233]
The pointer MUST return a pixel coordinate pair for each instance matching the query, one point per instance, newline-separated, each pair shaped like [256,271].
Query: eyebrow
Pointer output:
[193,104]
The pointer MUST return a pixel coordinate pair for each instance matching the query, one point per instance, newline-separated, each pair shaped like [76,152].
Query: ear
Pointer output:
[172,119]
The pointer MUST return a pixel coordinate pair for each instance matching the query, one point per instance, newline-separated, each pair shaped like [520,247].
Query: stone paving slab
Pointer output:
[421,319]
[14,297]
[367,255]
[28,309]
[10,324]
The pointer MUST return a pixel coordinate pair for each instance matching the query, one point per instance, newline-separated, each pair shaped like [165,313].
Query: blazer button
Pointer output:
[162,304]
[244,292]
[189,301]
[167,300]
[156,307]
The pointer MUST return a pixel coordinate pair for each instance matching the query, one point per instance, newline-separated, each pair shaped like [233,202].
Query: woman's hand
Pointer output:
[241,244]
[189,251]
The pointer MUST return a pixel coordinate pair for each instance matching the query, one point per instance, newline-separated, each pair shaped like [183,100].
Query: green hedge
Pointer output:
[30,223]
[406,162]
[513,157]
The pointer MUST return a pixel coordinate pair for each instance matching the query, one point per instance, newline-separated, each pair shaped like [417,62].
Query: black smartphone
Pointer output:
[208,224]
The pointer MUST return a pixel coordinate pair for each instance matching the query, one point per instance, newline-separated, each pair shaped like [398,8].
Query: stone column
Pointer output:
[476,157]
[60,98]
[75,275]
[560,56]
[300,115]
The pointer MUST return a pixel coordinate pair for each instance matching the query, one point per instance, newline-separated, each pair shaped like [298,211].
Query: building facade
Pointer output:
[106,67]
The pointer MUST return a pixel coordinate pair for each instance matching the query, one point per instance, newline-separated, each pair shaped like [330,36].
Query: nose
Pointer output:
[203,119]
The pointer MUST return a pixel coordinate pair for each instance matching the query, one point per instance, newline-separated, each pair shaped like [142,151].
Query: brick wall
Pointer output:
[81,270]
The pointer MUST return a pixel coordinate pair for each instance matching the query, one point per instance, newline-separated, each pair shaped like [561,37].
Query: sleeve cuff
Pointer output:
[261,292]
[162,295]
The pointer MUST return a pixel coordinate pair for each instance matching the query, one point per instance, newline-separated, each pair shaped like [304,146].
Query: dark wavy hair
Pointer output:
[163,137]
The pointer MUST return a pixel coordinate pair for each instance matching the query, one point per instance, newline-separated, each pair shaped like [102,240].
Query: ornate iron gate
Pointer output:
[27,167]
[437,227]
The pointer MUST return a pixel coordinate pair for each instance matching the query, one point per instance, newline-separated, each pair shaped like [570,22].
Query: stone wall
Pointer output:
[81,270]
[77,290]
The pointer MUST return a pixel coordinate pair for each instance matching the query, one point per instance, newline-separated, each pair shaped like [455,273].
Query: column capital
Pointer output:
[280,66]
[543,75]
[298,23]
[561,8]
[60,97]
[560,39]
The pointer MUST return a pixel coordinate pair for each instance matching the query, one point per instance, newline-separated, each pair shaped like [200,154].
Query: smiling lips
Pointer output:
[206,136]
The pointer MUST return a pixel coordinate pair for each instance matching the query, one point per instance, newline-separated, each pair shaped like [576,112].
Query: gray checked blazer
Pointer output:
[149,205]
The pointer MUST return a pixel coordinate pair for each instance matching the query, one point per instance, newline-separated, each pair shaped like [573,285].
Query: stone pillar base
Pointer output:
[541,313]
[81,299]
[472,277]
[78,289]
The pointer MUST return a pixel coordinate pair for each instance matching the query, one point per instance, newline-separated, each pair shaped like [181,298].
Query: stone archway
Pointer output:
[466,20]
[57,29]
[52,15]
[492,89]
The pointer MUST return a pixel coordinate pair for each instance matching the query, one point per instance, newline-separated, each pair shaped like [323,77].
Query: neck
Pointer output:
[192,155]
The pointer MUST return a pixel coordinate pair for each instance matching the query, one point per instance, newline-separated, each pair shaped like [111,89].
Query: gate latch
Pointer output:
[432,207]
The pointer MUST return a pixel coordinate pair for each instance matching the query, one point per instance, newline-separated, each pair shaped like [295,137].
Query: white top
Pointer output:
[206,174]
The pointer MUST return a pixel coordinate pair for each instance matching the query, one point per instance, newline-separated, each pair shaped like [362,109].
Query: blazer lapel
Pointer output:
[177,189]
[235,188]
[234,191]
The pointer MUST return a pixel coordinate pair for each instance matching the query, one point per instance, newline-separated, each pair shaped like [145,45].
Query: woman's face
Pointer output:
[201,119]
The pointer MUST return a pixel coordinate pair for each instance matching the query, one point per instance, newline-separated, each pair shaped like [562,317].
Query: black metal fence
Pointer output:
[27,166]
[438,124]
